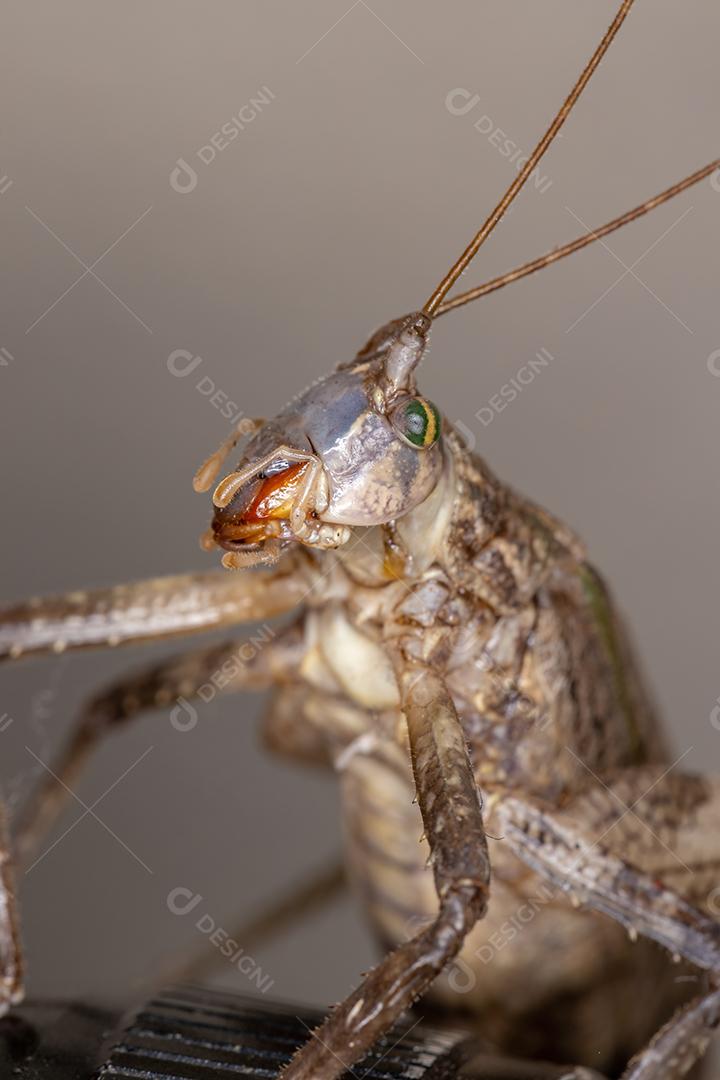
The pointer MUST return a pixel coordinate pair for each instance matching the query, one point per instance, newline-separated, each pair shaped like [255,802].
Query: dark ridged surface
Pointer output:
[190,1034]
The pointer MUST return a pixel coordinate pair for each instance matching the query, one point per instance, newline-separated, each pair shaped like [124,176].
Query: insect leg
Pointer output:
[296,727]
[679,1044]
[174,684]
[311,727]
[11,988]
[277,916]
[450,807]
[594,870]
[155,609]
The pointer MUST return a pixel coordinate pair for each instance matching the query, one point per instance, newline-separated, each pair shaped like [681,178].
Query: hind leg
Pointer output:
[680,1043]
[647,861]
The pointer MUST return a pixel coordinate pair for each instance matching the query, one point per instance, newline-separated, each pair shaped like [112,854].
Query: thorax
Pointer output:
[496,594]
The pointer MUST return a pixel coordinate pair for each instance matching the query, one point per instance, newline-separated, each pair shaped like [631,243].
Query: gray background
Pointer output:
[340,205]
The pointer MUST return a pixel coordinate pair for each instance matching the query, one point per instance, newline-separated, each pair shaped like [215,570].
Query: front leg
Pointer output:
[150,610]
[451,812]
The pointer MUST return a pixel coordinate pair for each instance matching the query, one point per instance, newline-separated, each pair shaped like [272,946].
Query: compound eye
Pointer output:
[418,421]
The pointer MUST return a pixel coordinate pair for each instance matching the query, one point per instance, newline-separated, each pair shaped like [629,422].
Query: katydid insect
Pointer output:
[451,641]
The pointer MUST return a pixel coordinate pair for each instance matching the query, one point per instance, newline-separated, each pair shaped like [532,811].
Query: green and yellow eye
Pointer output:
[418,421]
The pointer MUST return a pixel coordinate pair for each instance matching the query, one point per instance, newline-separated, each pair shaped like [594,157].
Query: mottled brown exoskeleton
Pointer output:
[460,665]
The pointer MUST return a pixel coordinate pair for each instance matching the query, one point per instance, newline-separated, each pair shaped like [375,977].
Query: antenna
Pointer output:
[434,301]
[578,244]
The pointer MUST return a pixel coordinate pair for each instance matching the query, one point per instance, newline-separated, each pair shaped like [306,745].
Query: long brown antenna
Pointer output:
[578,244]
[434,301]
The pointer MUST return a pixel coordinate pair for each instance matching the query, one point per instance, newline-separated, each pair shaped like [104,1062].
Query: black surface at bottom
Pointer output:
[197,1034]
[190,1034]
